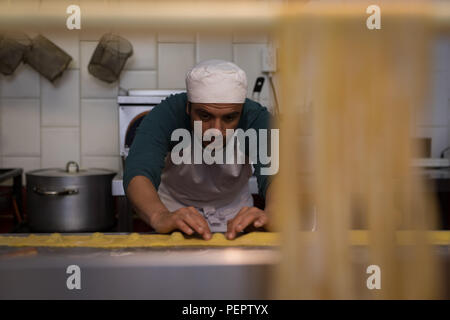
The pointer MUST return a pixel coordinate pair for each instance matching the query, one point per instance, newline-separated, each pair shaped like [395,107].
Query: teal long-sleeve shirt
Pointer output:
[152,141]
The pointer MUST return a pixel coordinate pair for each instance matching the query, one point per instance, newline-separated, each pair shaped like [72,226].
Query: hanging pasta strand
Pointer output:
[365,87]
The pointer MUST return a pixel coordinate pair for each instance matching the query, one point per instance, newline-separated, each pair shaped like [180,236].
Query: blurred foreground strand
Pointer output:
[364,86]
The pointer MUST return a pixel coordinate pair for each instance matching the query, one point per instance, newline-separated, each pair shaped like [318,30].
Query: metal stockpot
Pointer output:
[70,200]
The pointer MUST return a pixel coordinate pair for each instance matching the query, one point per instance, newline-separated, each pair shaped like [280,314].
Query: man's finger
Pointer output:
[239,215]
[242,211]
[233,223]
[202,224]
[201,219]
[246,220]
[181,225]
[261,221]
[195,223]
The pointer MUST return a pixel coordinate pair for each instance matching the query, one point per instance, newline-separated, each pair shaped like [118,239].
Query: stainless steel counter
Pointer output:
[138,273]
[229,273]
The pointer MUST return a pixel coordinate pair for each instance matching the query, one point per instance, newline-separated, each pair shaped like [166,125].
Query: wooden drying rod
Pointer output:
[201,14]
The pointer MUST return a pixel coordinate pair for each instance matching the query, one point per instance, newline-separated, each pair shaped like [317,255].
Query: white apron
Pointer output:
[217,191]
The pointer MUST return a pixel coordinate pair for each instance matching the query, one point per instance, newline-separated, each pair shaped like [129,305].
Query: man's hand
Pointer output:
[247,216]
[188,220]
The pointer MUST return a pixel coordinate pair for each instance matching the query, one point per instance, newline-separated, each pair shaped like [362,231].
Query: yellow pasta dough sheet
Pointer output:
[177,239]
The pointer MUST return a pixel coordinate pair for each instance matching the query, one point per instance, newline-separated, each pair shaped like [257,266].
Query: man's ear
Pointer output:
[188,109]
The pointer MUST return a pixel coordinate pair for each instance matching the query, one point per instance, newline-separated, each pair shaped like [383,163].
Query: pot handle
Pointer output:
[66,192]
[72,167]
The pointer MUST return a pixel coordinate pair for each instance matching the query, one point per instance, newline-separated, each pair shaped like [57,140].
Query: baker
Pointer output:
[191,197]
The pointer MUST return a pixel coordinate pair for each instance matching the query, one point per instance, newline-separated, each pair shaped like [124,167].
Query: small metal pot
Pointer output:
[70,200]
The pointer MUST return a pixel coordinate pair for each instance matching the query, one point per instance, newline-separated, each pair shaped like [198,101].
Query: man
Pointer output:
[197,198]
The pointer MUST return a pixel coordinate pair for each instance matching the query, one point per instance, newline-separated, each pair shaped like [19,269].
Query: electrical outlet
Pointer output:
[269,59]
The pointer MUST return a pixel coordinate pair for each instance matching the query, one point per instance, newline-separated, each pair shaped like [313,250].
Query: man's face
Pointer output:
[220,116]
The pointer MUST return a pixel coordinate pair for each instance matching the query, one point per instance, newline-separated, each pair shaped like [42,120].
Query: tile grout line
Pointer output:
[196,48]
[157,60]
[60,127]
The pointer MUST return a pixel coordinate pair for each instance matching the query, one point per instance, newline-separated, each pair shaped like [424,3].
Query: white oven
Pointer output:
[132,109]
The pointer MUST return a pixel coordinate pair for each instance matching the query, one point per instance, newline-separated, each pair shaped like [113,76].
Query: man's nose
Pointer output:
[218,124]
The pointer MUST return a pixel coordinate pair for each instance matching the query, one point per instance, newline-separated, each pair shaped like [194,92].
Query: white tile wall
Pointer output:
[434,119]
[441,54]
[448,104]
[214,46]
[93,34]
[60,145]
[435,112]
[176,37]
[61,100]
[175,59]
[20,127]
[99,127]
[23,83]
[249,58]
[144,50]
[26,163]
[249,37]
[92,87]
[112,163]
[68,41]
[138,80]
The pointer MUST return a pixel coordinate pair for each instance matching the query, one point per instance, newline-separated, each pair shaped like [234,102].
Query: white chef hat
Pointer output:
[216,81]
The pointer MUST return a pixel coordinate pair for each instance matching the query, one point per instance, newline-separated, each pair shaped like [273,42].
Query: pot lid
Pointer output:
[72,170]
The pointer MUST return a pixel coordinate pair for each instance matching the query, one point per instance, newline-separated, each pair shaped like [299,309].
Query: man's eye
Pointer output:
[229,118]
[204,116]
